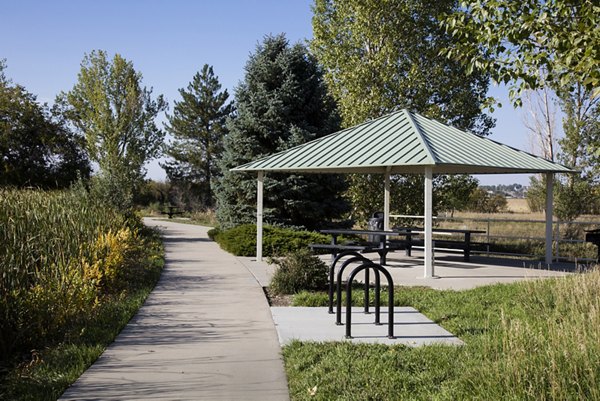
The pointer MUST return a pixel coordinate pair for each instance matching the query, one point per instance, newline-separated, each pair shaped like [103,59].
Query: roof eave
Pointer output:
[406,169]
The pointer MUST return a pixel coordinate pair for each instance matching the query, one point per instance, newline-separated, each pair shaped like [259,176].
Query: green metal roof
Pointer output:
[404,142]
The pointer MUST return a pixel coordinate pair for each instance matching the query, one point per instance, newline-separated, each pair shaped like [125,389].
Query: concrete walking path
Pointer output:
[205,333]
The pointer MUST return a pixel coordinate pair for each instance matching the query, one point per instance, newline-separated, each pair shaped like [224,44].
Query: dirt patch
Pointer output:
[277,300]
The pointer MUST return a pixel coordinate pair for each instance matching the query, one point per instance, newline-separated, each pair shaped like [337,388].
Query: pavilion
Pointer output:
[404,142]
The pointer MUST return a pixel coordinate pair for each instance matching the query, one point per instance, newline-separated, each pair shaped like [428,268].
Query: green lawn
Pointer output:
[537,340]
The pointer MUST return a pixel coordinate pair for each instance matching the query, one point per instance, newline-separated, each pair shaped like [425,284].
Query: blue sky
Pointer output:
[168,41]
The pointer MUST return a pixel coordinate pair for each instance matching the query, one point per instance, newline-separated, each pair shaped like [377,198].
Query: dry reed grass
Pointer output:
[53,264]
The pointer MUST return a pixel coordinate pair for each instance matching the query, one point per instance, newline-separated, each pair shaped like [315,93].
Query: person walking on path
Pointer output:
[204,333]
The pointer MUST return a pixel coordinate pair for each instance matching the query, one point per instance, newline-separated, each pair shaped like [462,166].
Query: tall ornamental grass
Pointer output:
[60,254]
[553,351]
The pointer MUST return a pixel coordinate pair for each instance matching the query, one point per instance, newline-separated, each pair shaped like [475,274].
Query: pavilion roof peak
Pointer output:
[403,142]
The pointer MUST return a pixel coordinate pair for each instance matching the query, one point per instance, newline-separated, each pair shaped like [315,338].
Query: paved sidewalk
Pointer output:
[205,333]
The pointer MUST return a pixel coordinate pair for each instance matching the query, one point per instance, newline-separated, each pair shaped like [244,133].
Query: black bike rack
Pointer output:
[338,317]
[379,269]
[332,282]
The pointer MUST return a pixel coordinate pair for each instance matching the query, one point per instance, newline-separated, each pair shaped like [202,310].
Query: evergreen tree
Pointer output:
[281,103]
[198,128]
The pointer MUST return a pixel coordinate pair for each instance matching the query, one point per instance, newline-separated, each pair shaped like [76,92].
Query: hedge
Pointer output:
[277,241]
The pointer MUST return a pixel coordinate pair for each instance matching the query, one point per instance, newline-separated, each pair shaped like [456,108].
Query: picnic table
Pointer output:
[465,244]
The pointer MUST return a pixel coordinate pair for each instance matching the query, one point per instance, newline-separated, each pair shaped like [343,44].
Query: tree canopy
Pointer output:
[198,127]
[380,56]
[116,113]
[529,43]
[36,147]
[282,102]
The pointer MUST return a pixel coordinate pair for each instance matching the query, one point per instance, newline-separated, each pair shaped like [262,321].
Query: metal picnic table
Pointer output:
[465,245]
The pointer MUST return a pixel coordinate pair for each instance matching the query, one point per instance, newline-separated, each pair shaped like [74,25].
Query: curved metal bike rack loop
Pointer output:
[332,273]
[379,268]
[338,301]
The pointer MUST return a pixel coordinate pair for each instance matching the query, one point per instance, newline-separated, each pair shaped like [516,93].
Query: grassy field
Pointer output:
[535,340]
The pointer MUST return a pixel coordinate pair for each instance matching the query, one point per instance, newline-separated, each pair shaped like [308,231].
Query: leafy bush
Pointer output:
[299,271]
[241,240]
[480,201]
[114,264]
[213,233]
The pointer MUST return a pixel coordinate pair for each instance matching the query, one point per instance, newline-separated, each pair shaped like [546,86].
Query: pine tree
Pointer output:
[281,103]
[198,127]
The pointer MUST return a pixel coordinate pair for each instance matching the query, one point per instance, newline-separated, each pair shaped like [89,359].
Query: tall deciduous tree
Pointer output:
[534,44]
[116,113]
[540,121]
[36,148]
[198,128]
[580,146]
[529,43]
[282,102]
[380,56]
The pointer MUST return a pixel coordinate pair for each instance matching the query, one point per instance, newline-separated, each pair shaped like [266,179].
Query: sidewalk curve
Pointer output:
[205,333]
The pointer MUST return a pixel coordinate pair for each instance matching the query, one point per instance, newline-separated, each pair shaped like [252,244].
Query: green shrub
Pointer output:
[213,233]
[240,240]
[299,271]
[277,241]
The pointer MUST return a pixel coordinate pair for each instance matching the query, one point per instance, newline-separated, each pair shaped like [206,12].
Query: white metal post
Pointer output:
[386,200]
[259,216]
[428,212]
[549,213]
